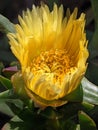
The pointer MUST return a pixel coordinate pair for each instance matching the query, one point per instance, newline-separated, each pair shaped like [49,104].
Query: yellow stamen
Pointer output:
[53,61]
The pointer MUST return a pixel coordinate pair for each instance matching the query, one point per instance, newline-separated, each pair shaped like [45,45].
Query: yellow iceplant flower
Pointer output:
[52,51]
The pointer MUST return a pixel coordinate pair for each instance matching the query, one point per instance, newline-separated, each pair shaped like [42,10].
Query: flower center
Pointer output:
[56,62]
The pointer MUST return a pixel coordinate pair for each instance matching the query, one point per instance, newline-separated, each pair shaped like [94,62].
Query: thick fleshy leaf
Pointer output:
[75,96]
[90,92]
[17,102]
[10,107]
[5,25]
[5,82]
[86,123]
[6,94]
[12,103]
[87,107]
[5,109]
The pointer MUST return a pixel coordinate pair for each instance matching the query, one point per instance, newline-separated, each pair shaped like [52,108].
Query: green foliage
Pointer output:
[5,25]
[90,92]
[86,122]
[72,97]
[6,82]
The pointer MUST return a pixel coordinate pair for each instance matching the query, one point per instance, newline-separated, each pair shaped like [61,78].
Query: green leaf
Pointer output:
[86,123]
[75,96]
[17,102]
[90,92]
[5,25]
[87,107]
[11,107]
[4,108]
[6,94]
[5,82]
[9,97]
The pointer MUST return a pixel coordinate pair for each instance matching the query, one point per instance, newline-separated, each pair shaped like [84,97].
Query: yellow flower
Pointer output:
[52,51]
